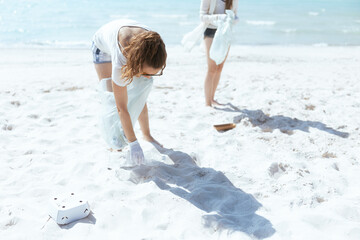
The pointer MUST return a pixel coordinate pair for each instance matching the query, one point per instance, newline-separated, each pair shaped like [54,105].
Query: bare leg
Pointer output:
[214,87]
[216,80]
[145,127]
[103,70]
[213,75]
[208,85]
[144,121]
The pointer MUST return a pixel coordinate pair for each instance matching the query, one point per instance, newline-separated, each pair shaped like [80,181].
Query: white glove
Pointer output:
[136,153]
[218,19]
[221,17]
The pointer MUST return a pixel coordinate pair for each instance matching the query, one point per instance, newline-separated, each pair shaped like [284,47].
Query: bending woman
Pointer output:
[126,55]
[214,71]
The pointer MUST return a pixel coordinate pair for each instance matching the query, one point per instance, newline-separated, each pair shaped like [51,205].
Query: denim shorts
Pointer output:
[99,56]
[209,32]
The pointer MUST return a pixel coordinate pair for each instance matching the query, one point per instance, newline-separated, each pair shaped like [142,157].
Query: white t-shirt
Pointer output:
[206,17]
[106,39]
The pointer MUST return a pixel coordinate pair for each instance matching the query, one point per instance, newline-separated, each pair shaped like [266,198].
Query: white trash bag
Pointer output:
[222,39]
[109,122]
[192,38]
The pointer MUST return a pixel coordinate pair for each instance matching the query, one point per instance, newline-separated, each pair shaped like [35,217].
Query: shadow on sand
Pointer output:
[228,208]
[90,219]
[284,124]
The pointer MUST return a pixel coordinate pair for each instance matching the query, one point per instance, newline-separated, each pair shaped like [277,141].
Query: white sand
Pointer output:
[289,170]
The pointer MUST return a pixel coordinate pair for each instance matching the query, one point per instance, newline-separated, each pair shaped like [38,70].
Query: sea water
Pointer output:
[71,23]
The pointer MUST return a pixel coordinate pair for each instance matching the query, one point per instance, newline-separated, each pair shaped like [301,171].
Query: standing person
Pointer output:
[126,55]
[210,19]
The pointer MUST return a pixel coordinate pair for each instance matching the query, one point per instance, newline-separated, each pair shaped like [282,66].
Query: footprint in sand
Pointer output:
[335,166]
[309,107]
[28,152]
[48,120]
[10,223]
[277,169]
[7,127]
[15,103]
[34,116]
[329,155]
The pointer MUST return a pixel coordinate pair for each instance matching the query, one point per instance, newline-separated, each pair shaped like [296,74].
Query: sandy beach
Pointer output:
[288,170]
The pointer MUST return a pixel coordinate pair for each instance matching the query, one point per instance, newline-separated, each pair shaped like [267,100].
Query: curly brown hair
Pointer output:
[144,48]
[228,4]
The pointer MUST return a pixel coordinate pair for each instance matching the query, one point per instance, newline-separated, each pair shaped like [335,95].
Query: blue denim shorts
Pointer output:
[99,56]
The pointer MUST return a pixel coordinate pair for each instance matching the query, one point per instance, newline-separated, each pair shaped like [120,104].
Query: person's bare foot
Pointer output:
[115,150]
[215,103]
[152,140]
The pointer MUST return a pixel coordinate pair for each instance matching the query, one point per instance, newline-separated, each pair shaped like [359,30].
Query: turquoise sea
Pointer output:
[65,23]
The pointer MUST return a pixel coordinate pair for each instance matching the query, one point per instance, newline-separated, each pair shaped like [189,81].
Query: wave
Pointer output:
[289,30]
[314,14]
[172,16]
[188,23]
[123,16]
[351,30]
[16,30]
[259,23]
[48,44]
[320,45]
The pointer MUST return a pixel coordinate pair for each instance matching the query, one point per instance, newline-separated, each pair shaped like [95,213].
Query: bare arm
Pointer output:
[121,99]
[235,10]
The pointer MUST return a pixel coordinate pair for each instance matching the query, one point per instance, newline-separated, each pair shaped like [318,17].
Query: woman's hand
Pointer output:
[136,153]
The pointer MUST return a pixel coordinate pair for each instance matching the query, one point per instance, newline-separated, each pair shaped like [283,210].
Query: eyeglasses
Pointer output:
[154,75]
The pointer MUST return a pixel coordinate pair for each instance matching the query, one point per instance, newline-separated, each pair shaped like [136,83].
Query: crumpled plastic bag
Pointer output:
[190,39]
[222,39]
[109,119]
